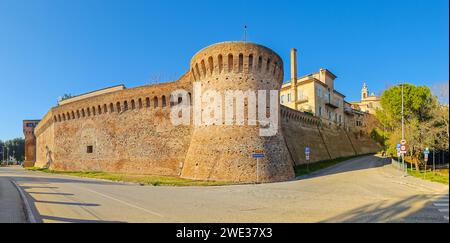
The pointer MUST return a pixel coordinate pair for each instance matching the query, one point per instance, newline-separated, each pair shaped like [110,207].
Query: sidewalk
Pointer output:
[11,207]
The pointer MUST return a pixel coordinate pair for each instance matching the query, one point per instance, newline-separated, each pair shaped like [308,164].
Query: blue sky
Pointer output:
[48,48]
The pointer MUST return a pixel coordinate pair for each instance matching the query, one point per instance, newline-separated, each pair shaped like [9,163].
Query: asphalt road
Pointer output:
[359,190]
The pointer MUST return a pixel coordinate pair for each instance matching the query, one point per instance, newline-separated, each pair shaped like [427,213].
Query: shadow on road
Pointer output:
[69,203]
[68,220]
[47,180]
[42,182]
[398,212]
[51,193]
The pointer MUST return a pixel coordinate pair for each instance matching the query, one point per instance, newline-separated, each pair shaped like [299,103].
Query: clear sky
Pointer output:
[48,48]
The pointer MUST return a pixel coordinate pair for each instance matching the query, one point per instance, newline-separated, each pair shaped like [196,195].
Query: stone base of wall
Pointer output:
[28,164]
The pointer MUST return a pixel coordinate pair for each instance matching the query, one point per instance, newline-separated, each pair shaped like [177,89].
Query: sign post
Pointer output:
[398,152]
[403,150]
[307,157]
[426,153]
[257,155]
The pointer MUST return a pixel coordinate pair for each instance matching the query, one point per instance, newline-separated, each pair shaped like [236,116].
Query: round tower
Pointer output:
[224,152]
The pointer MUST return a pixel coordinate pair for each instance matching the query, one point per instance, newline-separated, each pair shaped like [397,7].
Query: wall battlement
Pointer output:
[233,58]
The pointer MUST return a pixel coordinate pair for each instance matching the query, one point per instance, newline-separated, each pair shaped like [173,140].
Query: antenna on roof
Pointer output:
[245,33]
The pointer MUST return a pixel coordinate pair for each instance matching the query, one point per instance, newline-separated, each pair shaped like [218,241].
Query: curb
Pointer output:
[28,212]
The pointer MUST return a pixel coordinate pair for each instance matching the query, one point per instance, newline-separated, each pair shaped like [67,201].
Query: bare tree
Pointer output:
[441,91]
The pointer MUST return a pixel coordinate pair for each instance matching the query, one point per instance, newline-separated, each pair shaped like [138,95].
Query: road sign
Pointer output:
[403,142]
[427,151]
[258,156]
[403,149]
[398,146]
[426,157]
[307,150]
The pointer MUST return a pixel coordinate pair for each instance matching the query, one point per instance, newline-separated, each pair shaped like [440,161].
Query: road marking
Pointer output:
[445,210]
[441,204]
[29,212]
[123,202]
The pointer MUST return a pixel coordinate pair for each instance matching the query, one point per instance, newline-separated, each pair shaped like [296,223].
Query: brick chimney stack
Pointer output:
[294,75]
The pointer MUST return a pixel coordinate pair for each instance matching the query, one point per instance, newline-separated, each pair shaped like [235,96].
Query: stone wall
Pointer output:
[326,142]
[129,131]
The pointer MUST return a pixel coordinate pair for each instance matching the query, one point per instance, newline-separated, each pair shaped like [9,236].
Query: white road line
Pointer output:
[444,210]
[123,202]
[441,204]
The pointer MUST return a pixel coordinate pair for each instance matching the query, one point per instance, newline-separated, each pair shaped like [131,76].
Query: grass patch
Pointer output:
[135,178]
[440,176]
[305,169]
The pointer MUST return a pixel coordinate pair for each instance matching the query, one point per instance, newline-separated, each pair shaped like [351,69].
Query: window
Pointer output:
[125,105]
[220,63]
[300,94]
[211,65]
[155,102]
[118,107]
[250,62]
[163,101]
[230,63]
[241,62]
[282,99]
[319,92]
[320,110]
[289,97]
[90,149]
[30,125]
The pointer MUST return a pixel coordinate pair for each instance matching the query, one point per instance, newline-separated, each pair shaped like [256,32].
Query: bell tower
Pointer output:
[364,92]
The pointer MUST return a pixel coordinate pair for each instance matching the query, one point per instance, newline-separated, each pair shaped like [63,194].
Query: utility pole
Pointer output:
[434,157]
[7,156]
[403,127]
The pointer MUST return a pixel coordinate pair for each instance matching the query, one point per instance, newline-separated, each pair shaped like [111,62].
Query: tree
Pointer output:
[426,121]
[14,147]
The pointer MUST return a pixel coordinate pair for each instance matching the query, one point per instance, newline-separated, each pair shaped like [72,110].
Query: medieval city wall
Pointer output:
[326,142]
[129,131]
